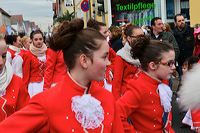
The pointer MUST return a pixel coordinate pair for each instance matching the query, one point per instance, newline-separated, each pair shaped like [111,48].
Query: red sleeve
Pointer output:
[118,68]
[111,55]
[50,66]
[31,118]
[26,66]
[127,104]
[117,124]
[23,97]
[196,118]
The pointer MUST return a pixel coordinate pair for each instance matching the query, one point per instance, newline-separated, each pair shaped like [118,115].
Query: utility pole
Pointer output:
[74,5]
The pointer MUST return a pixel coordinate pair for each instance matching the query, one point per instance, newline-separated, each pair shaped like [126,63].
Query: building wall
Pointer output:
[194,12]
[4,20]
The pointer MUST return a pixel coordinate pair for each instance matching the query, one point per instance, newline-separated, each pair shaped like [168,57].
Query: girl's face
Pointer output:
[27,43]
[38,40]
[104,31]
[166,66]
[3,50]
[135,33]
[97,66]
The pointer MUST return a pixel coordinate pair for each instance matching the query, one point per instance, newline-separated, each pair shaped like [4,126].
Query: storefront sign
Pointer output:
[138,12]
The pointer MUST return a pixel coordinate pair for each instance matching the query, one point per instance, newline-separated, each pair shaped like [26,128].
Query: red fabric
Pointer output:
[51,111]
[55,68]
[33,69]
[12,52]
[196,49]
[112,55]
[196,118]
[123,72]
[141,103]
[15,98]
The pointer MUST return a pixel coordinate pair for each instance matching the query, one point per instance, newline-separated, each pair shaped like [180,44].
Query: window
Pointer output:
[170,9]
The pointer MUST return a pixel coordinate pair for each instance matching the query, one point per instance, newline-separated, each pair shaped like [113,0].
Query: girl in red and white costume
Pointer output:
[55,65]
[14,46]
[18,59]
[33,64]
[189,97]
[13,94]
[103,29]
[78,105]
[147,101]
[124,66]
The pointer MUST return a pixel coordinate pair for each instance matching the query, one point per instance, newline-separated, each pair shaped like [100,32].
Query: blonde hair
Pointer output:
[23,39]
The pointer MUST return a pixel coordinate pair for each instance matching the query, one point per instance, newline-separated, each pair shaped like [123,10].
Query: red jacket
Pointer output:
[15,98]
[123,72]
[51,111]
[33,68]
[55,68]
[141,104]
[12,52]
[196,118]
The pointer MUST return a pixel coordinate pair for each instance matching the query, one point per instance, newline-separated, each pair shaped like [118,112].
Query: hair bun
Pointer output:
[65,34]
[73,26]
[139,45]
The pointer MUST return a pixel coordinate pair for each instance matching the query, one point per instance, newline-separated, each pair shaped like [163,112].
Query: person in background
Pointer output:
[34,64]
[185,39]
[187,67]
[14,46]
[166,27]
[13,93]
[196,51]
[55,65]
[116,38]
[101,27]
[78,105]
[158,34]
[124,66]
[147,101]
[26,41]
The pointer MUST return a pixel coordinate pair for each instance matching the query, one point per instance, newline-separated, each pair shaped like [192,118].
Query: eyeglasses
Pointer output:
[170,63]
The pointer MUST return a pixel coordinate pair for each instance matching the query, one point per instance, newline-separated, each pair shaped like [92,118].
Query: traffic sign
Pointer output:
[85,5]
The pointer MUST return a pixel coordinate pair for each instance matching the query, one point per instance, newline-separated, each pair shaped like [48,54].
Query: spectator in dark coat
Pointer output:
[185,39]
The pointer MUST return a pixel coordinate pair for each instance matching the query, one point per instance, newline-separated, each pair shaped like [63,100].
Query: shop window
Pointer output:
[170,9]
[185,9]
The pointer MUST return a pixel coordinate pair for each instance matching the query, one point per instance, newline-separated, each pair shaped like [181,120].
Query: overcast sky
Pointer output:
[39,11]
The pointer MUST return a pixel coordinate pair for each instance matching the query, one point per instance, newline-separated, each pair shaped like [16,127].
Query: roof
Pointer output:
[4,12]
[17,19]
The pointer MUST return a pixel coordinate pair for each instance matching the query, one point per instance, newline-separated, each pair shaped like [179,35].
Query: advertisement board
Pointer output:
[137,12]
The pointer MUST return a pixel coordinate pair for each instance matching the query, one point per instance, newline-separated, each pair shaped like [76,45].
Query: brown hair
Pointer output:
[147,50]
[95,24]
[73,40]
[129,29]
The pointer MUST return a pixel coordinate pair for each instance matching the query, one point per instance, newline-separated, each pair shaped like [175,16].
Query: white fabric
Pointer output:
[42,58]
[17,65]
[88,111]
[188,119]
[38,51]
[107,86]
[5,78]
[14,48]
[190,90]
[35,88]
[165,94]
[8,57]
[126,55]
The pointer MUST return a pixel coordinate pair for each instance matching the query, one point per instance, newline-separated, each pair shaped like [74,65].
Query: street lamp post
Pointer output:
[74,5]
